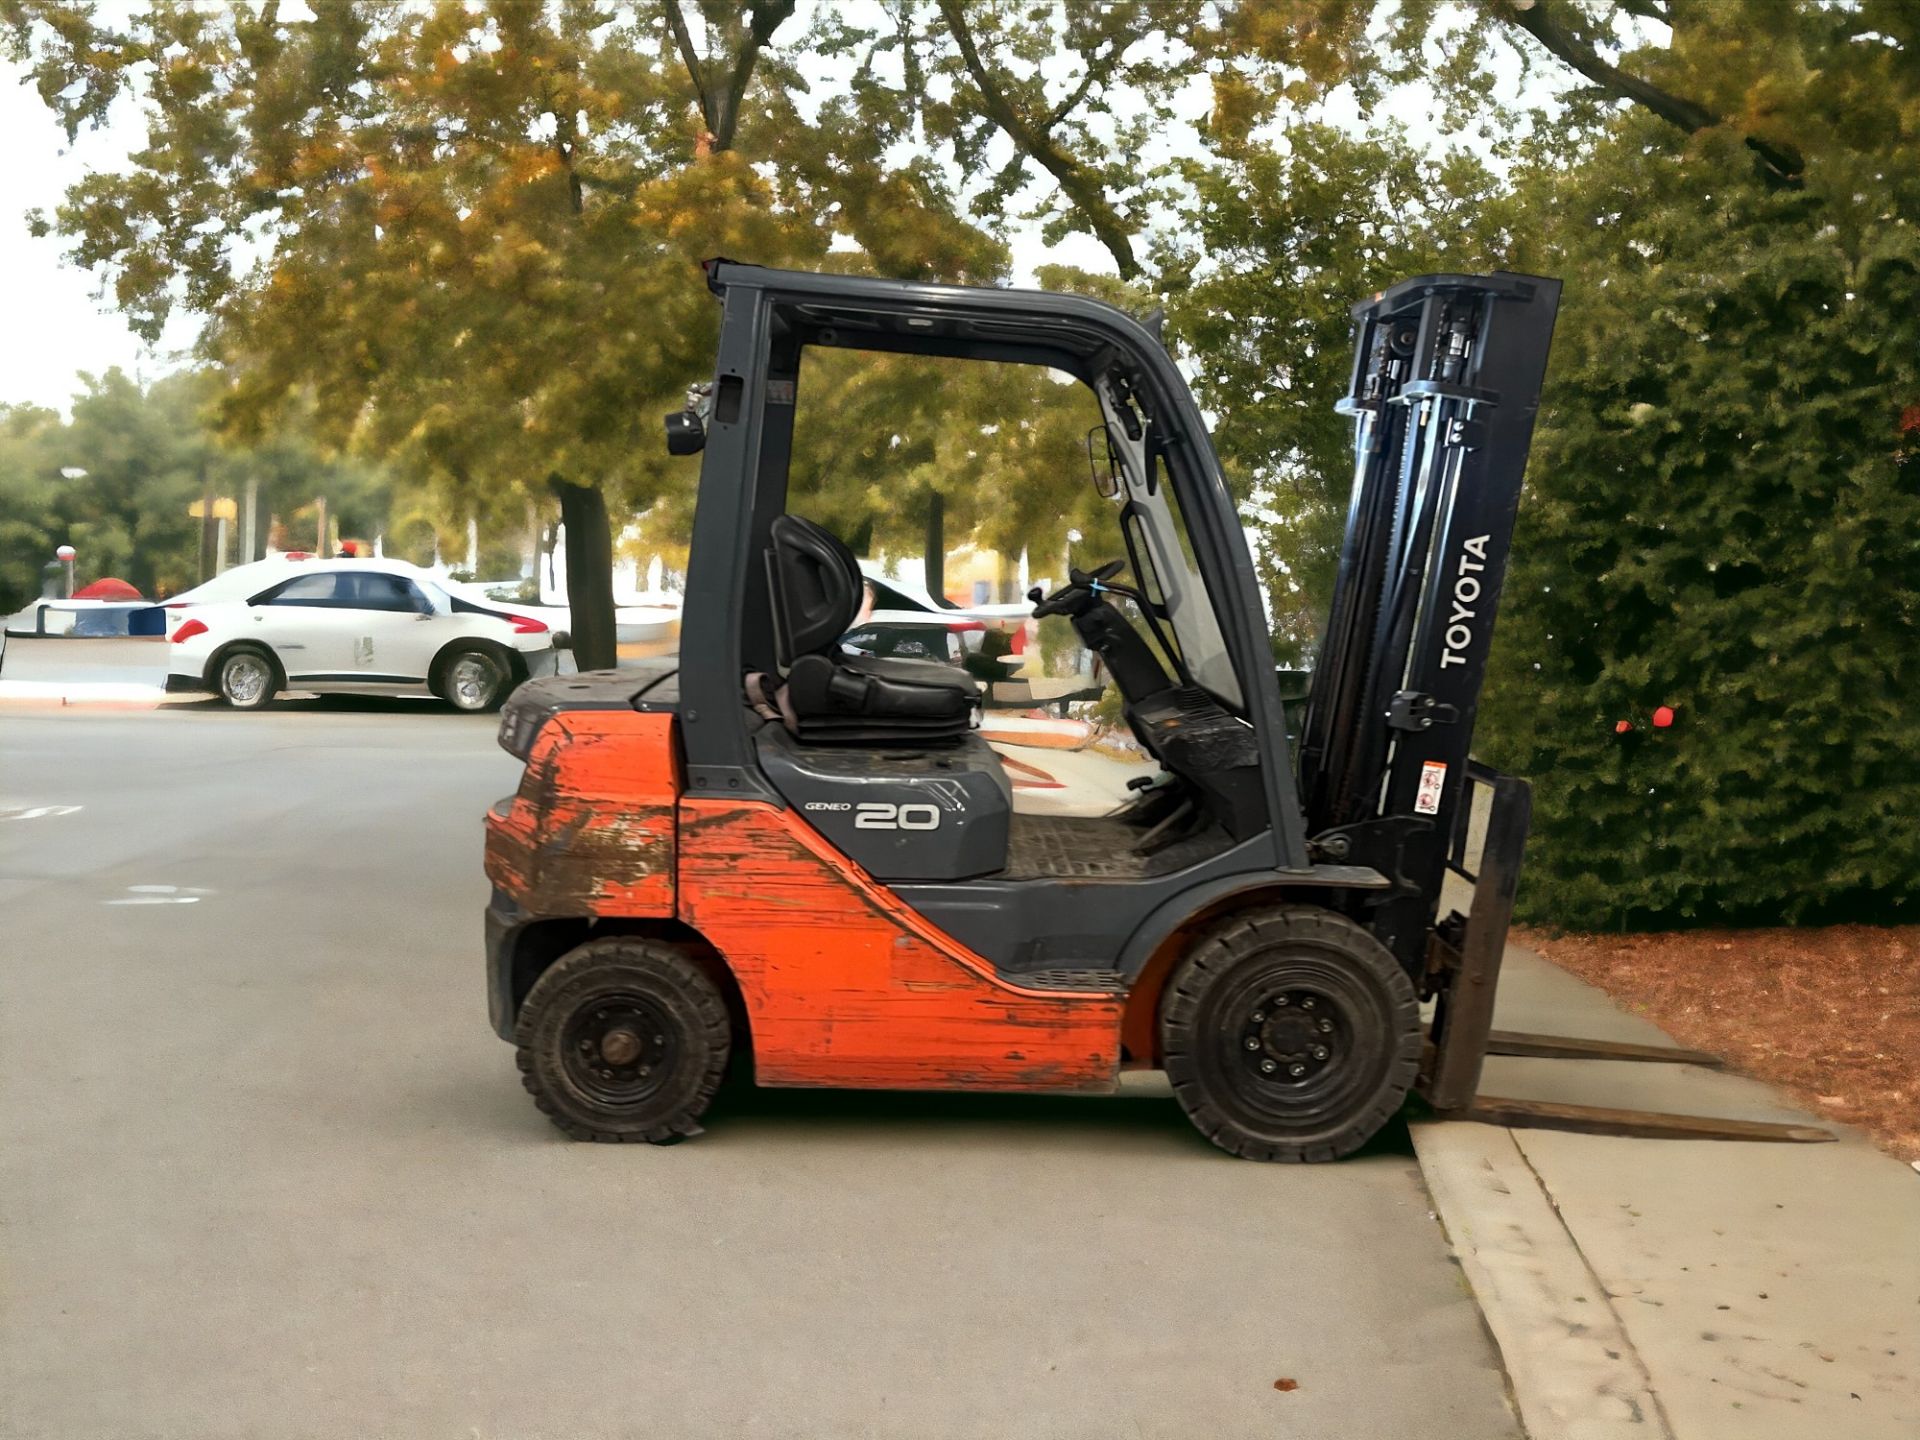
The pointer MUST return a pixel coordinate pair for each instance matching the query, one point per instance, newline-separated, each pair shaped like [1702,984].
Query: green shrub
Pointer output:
[1721,517]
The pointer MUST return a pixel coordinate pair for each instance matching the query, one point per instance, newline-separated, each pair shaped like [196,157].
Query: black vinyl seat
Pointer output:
[831,695]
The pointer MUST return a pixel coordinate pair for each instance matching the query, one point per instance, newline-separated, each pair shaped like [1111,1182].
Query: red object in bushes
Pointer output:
[1623,727]
[107,589]
[1663,717]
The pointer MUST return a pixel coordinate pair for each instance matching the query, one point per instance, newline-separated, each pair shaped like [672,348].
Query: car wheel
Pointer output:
[1290,1034]
[623,1040]
[246,678]
[473,680]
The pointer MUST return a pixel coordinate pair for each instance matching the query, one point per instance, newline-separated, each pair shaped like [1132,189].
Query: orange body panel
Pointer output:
[844,985]
[591,831]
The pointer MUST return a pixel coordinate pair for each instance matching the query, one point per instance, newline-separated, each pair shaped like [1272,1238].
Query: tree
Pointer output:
[1720,508]
[117,481]
[29,478]
[1288,236]
[1721,518]
[1088,133]
[490,213]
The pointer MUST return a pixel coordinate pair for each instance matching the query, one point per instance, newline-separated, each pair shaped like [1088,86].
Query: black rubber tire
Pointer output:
[230,660]
[616,976]
[446,683]
[1269,960]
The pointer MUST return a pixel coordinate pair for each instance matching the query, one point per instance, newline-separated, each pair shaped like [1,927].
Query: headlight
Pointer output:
[519,728]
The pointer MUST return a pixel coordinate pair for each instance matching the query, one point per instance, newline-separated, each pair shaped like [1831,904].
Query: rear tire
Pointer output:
[1290,1034]
[473,679]
[247,678]
[624,1040]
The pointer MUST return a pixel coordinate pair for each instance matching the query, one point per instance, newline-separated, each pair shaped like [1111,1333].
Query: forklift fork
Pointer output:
[1462,1035]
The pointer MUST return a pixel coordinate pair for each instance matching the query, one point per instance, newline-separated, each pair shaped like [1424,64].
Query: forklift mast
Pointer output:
[1446,382]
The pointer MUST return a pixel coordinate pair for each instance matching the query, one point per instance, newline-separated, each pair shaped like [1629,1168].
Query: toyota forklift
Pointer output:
[774,851]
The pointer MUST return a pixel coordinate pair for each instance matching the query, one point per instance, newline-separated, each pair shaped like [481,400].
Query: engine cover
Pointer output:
[900,814]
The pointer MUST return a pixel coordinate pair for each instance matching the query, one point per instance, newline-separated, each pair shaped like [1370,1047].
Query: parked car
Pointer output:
[350,627]
[915,635]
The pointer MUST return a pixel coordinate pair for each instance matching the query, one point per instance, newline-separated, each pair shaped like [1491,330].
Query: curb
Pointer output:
[1575,1373]
[51,695]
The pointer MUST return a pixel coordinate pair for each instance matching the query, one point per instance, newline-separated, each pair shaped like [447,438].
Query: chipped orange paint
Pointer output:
[846,986]
[591,831]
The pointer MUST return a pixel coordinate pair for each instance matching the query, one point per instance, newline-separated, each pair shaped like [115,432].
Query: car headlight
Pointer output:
[519,728]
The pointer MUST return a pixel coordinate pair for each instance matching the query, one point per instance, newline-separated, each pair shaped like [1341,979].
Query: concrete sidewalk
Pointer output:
[119,695]
[1692,1289]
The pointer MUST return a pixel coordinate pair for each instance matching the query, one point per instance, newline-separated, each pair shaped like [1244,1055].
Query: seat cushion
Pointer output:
[860,697]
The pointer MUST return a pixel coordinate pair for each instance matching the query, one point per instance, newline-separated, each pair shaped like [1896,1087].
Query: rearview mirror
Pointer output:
[686,433]
[1104,464]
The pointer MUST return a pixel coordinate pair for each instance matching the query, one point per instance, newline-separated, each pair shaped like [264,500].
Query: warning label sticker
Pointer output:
[1433,775]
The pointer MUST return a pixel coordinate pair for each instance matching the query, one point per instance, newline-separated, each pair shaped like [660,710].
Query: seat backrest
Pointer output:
[816,587]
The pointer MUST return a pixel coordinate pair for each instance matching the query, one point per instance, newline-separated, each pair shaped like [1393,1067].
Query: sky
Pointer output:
[56,327]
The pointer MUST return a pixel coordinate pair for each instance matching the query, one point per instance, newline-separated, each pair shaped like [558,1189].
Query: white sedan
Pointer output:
[351,627]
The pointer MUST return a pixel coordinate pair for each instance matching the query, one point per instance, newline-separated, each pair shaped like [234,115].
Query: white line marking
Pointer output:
[161,895]
[36,812]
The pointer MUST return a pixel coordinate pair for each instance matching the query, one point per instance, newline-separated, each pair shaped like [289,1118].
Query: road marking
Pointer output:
[160,895]
[36,812]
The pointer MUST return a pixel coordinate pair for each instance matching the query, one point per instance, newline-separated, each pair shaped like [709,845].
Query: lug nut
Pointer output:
[1267,1067]
[1319,1052]
[1296,1070]
[1258,1016]
[1252,1044]
[1281,1001]
[1307,1004]
[1326,1027]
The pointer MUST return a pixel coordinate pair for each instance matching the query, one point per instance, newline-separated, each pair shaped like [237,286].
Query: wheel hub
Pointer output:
[470,681]
[1291,1036]
[618,1048]
[246,678]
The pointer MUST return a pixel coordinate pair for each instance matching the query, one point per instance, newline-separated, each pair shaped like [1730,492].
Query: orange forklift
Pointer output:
[774,850]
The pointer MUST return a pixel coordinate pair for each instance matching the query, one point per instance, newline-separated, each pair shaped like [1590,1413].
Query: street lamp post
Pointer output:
[65,553]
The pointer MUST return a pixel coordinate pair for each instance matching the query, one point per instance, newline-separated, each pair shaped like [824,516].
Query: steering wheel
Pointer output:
[1080,593]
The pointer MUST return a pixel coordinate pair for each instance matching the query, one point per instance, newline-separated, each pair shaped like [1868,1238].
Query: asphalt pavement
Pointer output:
[266,1172]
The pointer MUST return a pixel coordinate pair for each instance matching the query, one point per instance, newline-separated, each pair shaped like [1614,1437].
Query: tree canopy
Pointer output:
[117,481]
[465,234]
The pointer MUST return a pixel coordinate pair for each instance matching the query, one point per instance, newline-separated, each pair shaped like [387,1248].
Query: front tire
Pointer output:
[1290,1034]
[474,680]
[624,1040]
[247,678]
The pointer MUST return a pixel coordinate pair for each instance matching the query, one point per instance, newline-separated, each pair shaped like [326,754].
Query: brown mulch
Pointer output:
[1831,1014]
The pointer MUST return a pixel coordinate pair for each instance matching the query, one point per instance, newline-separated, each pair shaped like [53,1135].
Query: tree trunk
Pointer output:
[936,561]
[206,526]
[249,530]
[583,510]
